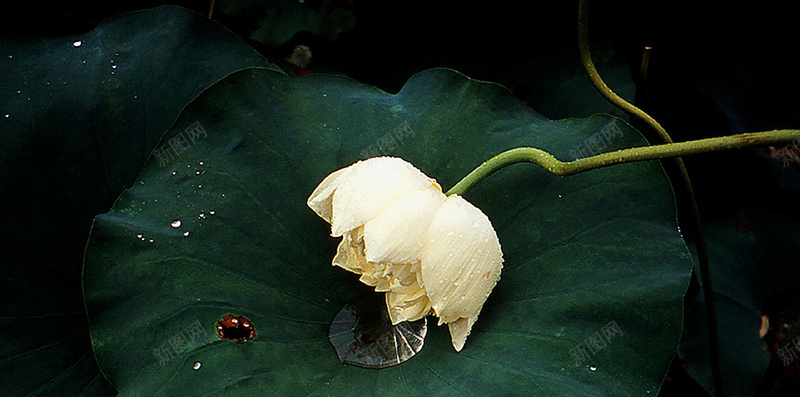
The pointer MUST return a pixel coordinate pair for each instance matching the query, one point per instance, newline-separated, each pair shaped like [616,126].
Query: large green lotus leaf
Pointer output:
[79,117]
[584,254]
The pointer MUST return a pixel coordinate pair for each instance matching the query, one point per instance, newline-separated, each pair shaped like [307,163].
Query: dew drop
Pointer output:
[197,172]
[151,240]
[77,43]
[113,66]
[201,216]
[592,368]
[185,234]
[559,196]
[199,186]
[8,115]
[176,223]
[201,163]
[197,365]
[139,235]
[212,212]
[174,173]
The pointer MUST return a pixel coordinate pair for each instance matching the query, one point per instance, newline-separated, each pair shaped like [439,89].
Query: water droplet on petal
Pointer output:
[176,223]
[77,43]
[197,365]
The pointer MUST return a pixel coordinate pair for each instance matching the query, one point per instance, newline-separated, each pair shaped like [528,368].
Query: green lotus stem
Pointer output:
[643,153]
[700,239]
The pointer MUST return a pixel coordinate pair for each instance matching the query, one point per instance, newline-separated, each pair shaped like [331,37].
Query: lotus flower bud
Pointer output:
[430,253]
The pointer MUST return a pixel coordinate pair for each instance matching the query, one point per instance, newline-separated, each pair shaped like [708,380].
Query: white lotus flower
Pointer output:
[430,253]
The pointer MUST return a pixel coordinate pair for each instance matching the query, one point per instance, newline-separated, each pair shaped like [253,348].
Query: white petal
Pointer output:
[407,306]
[397,234]
[459,330]
[321,198]
[372,185]
[347,255]
[461,262]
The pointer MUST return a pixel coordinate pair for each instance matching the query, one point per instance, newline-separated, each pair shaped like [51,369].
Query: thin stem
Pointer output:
[211,9]
[630,155]
[700,240]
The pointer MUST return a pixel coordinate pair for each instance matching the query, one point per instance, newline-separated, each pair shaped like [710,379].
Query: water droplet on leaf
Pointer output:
[363,335]
[237,329]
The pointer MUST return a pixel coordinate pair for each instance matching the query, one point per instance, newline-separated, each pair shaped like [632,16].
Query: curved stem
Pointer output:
[702,250]
[643,153]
